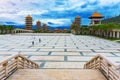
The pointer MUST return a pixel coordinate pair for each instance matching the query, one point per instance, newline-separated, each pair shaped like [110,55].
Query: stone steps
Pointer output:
[57,74]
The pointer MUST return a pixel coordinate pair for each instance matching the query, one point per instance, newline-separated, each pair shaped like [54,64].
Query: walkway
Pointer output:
[59,51]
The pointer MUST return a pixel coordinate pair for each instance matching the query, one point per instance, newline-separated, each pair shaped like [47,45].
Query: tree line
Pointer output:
[6,29]
[103,30]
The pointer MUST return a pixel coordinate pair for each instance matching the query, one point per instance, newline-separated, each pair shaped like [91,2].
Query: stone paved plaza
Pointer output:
[58,51]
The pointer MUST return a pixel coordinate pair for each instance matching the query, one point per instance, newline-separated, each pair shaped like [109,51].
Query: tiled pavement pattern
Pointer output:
[59,51]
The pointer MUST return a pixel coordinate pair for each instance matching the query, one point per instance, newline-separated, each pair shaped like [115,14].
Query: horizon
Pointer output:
[57,13]
[34,27]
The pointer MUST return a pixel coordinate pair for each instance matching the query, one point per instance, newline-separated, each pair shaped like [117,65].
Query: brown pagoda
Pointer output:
[77,21]
[38,25]
[28,22]
[95,18]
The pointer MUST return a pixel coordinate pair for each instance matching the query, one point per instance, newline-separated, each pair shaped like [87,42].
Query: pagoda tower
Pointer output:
[95,18]
[38,25]
[44,27]
[28,22]
[77,21]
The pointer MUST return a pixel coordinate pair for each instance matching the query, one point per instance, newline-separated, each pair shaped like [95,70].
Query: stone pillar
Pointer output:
[110,34]
[117,34]
[113,34]
[100,22]
[93,22]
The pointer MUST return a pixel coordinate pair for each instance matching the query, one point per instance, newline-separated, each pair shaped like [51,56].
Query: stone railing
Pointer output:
[110,71]
[14,62]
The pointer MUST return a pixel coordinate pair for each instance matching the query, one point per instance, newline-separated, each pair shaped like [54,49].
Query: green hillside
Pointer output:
[115,19]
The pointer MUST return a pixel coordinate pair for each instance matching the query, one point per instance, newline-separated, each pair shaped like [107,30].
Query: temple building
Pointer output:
[65,30]
[95,18]
[38,25]
[28,22]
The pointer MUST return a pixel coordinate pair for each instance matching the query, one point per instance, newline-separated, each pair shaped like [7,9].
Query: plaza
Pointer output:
[58,51]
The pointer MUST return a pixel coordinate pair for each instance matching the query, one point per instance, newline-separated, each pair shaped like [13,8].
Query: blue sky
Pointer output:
[55,12]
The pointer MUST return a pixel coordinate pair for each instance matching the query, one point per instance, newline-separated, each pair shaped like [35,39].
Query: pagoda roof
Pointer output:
[77,16]
[96,15]
[38,21]
[28,16]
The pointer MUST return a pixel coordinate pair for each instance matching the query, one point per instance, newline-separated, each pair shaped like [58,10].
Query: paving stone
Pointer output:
[65,53]
[64,65]
[51,49]
[107,51]
[79,58]
[24,50]
[34,53]
[51,58]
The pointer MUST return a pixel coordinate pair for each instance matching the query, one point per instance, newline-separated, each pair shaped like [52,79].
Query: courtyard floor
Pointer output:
[58,51]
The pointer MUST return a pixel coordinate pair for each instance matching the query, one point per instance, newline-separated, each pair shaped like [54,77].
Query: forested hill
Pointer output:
[115,19]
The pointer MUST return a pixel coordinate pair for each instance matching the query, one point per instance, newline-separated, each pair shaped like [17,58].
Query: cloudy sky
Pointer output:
[55,12]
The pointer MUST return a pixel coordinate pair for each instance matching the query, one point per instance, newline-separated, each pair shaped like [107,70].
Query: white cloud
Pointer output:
[57,22]
[32,12]
[16,10]
[108,3]
[69,5]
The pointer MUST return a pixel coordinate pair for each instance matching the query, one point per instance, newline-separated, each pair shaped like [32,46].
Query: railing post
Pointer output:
[100,59]
[5,66]
[94,63]
[108,65]
[36,66]
[17,60]
[28,64]
[23,63]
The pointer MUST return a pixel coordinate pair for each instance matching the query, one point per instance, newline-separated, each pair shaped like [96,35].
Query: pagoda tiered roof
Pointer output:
[96,15]
[28,16]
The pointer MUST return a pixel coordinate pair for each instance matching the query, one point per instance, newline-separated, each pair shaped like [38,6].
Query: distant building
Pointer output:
[78,21]
[28,22]
[45,27]
[65,30]
[56,30]
[95,18]
[75,26]
[38,25]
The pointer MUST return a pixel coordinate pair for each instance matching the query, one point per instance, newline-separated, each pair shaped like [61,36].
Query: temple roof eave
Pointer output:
[91,17]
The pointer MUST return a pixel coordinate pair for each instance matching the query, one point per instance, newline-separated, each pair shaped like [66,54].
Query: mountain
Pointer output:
[115,19]
[51,28]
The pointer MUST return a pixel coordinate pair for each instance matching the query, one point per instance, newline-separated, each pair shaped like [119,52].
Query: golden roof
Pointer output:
[96,15]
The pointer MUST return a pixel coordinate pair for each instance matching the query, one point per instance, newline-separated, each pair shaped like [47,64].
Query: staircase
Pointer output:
[57,74]
[18,67]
